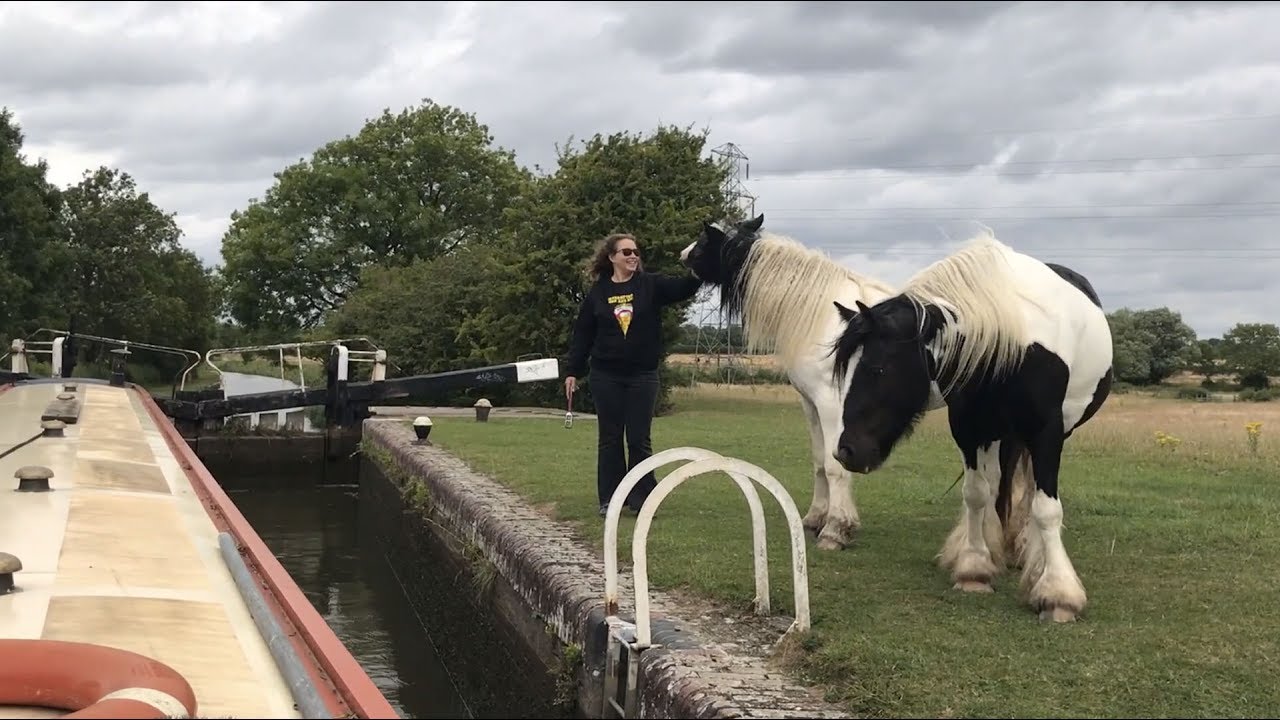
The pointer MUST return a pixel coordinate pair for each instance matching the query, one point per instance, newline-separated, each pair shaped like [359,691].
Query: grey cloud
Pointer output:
[836,37]
[881,132]
[45,57]
[1033,67]
[664,31]
[941,14]
[184,126]
[1199,266]
[847,48]
[332,43]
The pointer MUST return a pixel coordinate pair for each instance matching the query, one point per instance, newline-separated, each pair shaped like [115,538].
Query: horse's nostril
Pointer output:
[844,454]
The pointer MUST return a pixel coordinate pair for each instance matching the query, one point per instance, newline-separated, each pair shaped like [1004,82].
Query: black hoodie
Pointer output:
[619,324]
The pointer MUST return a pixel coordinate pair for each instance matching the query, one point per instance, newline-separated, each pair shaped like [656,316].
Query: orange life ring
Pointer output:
[93,681]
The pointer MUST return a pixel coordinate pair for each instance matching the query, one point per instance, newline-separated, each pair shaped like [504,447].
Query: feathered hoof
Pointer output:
[826,543]
[1059,597]
[837,535]
[973,586]
[973,572]
[1059,614]
[813,522]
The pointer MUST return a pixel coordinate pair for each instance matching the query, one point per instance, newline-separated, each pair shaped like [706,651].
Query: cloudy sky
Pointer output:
[1138,143]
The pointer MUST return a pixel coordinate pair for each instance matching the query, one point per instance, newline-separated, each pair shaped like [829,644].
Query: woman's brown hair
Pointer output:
[600,264]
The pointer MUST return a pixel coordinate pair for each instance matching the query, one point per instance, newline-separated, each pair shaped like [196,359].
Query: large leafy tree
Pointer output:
[98,257]
[659,186]
[129,275]
[1151,345]
[32,239]
[413,185]
[416,310]
[1252,352]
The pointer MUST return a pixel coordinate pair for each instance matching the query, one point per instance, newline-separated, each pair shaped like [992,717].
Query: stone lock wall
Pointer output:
[544,590]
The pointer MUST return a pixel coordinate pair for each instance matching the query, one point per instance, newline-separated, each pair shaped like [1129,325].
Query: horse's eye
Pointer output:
[876,369]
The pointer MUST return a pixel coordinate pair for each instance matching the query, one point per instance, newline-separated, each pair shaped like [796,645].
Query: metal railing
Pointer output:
[627,640]
[376,355]
[19,348]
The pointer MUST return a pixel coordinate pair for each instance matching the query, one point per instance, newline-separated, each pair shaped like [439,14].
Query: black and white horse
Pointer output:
[1020,351]
[782,291]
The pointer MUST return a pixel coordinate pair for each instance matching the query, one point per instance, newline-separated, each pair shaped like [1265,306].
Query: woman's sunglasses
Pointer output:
[628,252]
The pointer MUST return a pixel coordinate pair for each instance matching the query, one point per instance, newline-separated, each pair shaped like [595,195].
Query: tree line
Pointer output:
[418,231]
[422,233]
[96,257]
[1153,345]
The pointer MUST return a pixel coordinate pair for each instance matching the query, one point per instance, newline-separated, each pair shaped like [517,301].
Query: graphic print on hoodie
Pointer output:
[622,310]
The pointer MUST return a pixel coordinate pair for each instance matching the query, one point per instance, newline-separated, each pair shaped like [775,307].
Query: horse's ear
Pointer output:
[754,224]
[845,313]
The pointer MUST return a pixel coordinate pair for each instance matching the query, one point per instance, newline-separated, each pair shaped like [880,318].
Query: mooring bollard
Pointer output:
[422,428]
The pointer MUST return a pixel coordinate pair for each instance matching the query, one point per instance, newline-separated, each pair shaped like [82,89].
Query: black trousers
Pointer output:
[625,405]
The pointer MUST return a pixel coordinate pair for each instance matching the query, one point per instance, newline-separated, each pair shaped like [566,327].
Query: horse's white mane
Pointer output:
[787,290]
[977,285]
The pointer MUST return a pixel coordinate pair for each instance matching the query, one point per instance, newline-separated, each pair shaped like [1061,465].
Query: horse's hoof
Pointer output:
[814,520]
[826,543]
[973,586]
[1058,614]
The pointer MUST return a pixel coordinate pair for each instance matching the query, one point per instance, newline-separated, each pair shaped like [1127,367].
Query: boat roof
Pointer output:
[136,547]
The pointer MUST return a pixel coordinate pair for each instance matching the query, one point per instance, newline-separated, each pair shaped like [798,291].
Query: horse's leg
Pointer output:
[1049,581]
[1013,503]
[973,550]
[843,521]
[817,515]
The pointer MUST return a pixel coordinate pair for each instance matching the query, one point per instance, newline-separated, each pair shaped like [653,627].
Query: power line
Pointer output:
[1050,249]
[1134,158]
[868,173]
[1219,203]
[1118,253]
[1135,125]
[1011,218]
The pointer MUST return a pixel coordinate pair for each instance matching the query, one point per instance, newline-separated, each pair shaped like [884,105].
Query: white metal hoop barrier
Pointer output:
[636,638]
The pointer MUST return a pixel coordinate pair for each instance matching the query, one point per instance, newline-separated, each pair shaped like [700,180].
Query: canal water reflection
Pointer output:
[315,534]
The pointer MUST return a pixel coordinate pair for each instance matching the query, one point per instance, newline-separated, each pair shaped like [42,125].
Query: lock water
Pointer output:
[313,528]
[315,533]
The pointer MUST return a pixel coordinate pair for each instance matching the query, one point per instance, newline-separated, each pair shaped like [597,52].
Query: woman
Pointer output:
[619,327]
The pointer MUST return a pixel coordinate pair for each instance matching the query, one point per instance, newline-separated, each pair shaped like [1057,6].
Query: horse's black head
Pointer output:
[707,255]
[890,387]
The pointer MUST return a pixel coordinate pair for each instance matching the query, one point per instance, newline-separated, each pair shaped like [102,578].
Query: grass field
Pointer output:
[1177,543]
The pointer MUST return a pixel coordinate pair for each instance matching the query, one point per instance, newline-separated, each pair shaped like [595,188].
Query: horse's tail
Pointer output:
[1013,499]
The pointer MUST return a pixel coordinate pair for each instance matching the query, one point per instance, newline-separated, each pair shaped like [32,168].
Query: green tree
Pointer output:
[130,276]
[1174,342]
[1252,351]
[413,185]
[417,311]
[1207,359]
[659,187]
[1131,347]
[1150,345]
[32,240]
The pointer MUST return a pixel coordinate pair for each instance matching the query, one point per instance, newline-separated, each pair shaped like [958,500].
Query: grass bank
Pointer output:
[1173,522]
